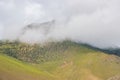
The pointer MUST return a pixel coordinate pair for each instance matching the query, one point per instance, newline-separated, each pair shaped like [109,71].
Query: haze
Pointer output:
[96,22]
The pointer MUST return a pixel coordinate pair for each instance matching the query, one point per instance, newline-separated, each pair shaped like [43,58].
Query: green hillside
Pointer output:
[12,69]
[56,61]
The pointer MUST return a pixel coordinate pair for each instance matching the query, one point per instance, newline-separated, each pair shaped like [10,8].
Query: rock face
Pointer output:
[44,28]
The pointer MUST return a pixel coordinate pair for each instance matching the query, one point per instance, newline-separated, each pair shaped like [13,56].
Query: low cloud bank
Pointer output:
[96,22]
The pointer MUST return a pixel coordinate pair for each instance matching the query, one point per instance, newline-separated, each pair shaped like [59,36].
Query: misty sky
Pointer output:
[96,22]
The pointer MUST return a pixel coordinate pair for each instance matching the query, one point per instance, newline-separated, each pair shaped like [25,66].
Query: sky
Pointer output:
[96,22]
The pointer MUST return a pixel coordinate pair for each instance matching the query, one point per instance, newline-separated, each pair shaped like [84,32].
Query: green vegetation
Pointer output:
[12,69]
[56,61]
[35,53]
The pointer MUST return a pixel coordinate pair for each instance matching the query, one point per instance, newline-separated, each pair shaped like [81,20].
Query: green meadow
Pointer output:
[56,61]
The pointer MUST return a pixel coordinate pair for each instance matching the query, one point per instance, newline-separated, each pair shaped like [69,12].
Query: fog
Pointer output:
[95,22]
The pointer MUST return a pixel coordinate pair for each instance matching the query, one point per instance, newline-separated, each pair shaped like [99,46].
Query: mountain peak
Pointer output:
[44,27]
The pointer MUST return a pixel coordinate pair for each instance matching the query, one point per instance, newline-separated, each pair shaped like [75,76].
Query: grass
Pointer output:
[12,69]
[67,61]
[84,65]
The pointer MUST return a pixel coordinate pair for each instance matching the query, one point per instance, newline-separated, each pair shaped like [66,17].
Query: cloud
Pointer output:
[1,31]
[91,21]
[33,12]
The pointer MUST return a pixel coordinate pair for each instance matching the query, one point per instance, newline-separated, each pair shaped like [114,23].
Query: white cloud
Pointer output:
[7,5]
[33,11]
[92,21]
[1,31]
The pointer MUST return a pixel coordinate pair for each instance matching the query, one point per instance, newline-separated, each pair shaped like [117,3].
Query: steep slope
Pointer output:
[65,60]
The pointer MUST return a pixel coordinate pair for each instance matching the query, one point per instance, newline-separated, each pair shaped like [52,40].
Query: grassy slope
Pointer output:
[82,63]
[12,69]
[76,63]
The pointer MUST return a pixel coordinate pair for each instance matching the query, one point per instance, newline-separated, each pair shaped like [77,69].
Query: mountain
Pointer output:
[115,51]
[44,27]
[65,60]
